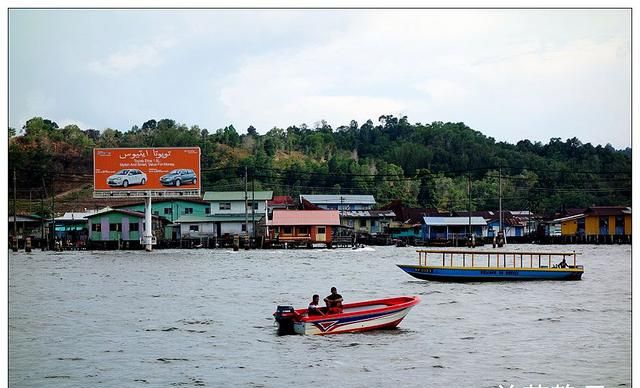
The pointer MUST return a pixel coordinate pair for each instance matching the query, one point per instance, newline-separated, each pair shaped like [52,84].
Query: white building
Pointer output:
[229,213]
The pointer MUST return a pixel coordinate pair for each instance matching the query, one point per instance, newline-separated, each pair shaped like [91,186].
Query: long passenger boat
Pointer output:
[481,266]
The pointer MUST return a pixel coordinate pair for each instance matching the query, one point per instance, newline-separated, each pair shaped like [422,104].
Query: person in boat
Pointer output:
[334,302]
[314,309]
[563,264]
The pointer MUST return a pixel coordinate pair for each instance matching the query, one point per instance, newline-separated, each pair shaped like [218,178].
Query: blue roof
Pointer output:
[453,221]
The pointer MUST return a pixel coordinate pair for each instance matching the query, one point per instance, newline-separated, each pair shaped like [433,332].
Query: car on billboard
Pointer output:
[179,177]
[127,177]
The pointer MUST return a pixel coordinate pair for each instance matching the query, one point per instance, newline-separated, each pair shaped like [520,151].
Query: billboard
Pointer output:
[170,171]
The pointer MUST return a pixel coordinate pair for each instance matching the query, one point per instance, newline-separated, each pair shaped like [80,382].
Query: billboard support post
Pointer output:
[148,228]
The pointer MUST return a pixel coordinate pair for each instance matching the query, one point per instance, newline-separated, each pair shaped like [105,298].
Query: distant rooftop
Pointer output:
[339,199]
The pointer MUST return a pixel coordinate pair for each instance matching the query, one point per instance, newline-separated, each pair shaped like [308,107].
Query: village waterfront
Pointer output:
[203,318]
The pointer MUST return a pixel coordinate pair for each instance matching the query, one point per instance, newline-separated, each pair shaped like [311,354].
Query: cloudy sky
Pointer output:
[511,74]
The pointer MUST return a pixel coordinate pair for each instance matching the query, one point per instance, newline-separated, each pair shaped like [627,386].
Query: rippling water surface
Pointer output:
[203,318]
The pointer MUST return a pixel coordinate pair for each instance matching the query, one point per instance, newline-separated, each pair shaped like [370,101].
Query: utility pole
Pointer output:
[500,198]
[246,198]
[53,211]
[469,208]
[15,222]
[42,245]
[253,205]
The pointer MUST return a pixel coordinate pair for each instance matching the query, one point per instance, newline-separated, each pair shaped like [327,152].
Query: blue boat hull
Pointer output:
[475,274]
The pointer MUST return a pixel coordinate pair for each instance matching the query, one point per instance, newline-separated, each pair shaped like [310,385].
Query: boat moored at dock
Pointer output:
[482,266]
[355,317]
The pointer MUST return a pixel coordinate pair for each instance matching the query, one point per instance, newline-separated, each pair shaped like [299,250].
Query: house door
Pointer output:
[322,234]
[604,225]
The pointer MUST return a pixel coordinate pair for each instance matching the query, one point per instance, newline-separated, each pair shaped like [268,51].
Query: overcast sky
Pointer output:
[511,74]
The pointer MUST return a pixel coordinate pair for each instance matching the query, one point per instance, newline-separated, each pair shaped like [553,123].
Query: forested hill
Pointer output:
[421,164]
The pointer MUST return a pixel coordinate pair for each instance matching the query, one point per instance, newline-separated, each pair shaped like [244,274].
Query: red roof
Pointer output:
[281,200]
[305,217]
[608,210]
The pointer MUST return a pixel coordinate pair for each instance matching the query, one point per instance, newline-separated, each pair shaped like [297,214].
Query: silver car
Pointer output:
[127,177]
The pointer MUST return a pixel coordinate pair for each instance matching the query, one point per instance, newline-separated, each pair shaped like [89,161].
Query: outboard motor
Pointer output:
[284,316]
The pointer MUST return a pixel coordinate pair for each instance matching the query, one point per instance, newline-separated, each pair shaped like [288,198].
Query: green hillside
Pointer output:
[422,164]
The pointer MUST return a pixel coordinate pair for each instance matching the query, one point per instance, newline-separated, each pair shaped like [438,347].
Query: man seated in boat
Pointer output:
[334,302]
[563,263]
[314,309]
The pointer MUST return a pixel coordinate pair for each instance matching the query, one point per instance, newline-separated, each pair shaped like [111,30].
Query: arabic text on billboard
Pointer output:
[145,169]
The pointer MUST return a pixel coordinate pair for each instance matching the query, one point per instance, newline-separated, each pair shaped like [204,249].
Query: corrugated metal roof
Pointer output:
[192,218]
[76,216]
[568,218]
[133,213]
[237,195]
[345,199]
[454,221]
[25,218]
[189,218]
[305,217]
[367,213]
[608,210]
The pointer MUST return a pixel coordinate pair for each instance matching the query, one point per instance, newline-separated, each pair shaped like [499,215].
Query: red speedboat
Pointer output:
[355,317]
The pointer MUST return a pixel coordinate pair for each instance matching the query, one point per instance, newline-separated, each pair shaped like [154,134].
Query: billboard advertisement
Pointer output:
[160,171]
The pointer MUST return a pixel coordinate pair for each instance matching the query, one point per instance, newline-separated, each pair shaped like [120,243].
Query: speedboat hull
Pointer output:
[355,317]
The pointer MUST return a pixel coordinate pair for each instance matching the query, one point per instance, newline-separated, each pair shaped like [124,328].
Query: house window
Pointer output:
[286,230]
[96,227]
[322,230]
[207,210]
[194,228]
[244,227]
[168,210]
[114,227]
[251,205]
[303,230]
[134,227]
[188,210]
[225,205]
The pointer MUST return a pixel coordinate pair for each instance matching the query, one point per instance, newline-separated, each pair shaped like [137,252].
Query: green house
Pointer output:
[119,225]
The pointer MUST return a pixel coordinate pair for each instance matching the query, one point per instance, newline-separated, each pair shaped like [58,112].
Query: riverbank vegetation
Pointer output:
[430,165]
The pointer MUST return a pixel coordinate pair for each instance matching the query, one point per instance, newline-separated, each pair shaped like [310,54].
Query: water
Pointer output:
[202,318]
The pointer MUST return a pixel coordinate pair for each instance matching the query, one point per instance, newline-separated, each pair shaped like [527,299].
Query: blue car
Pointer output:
[179,177]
